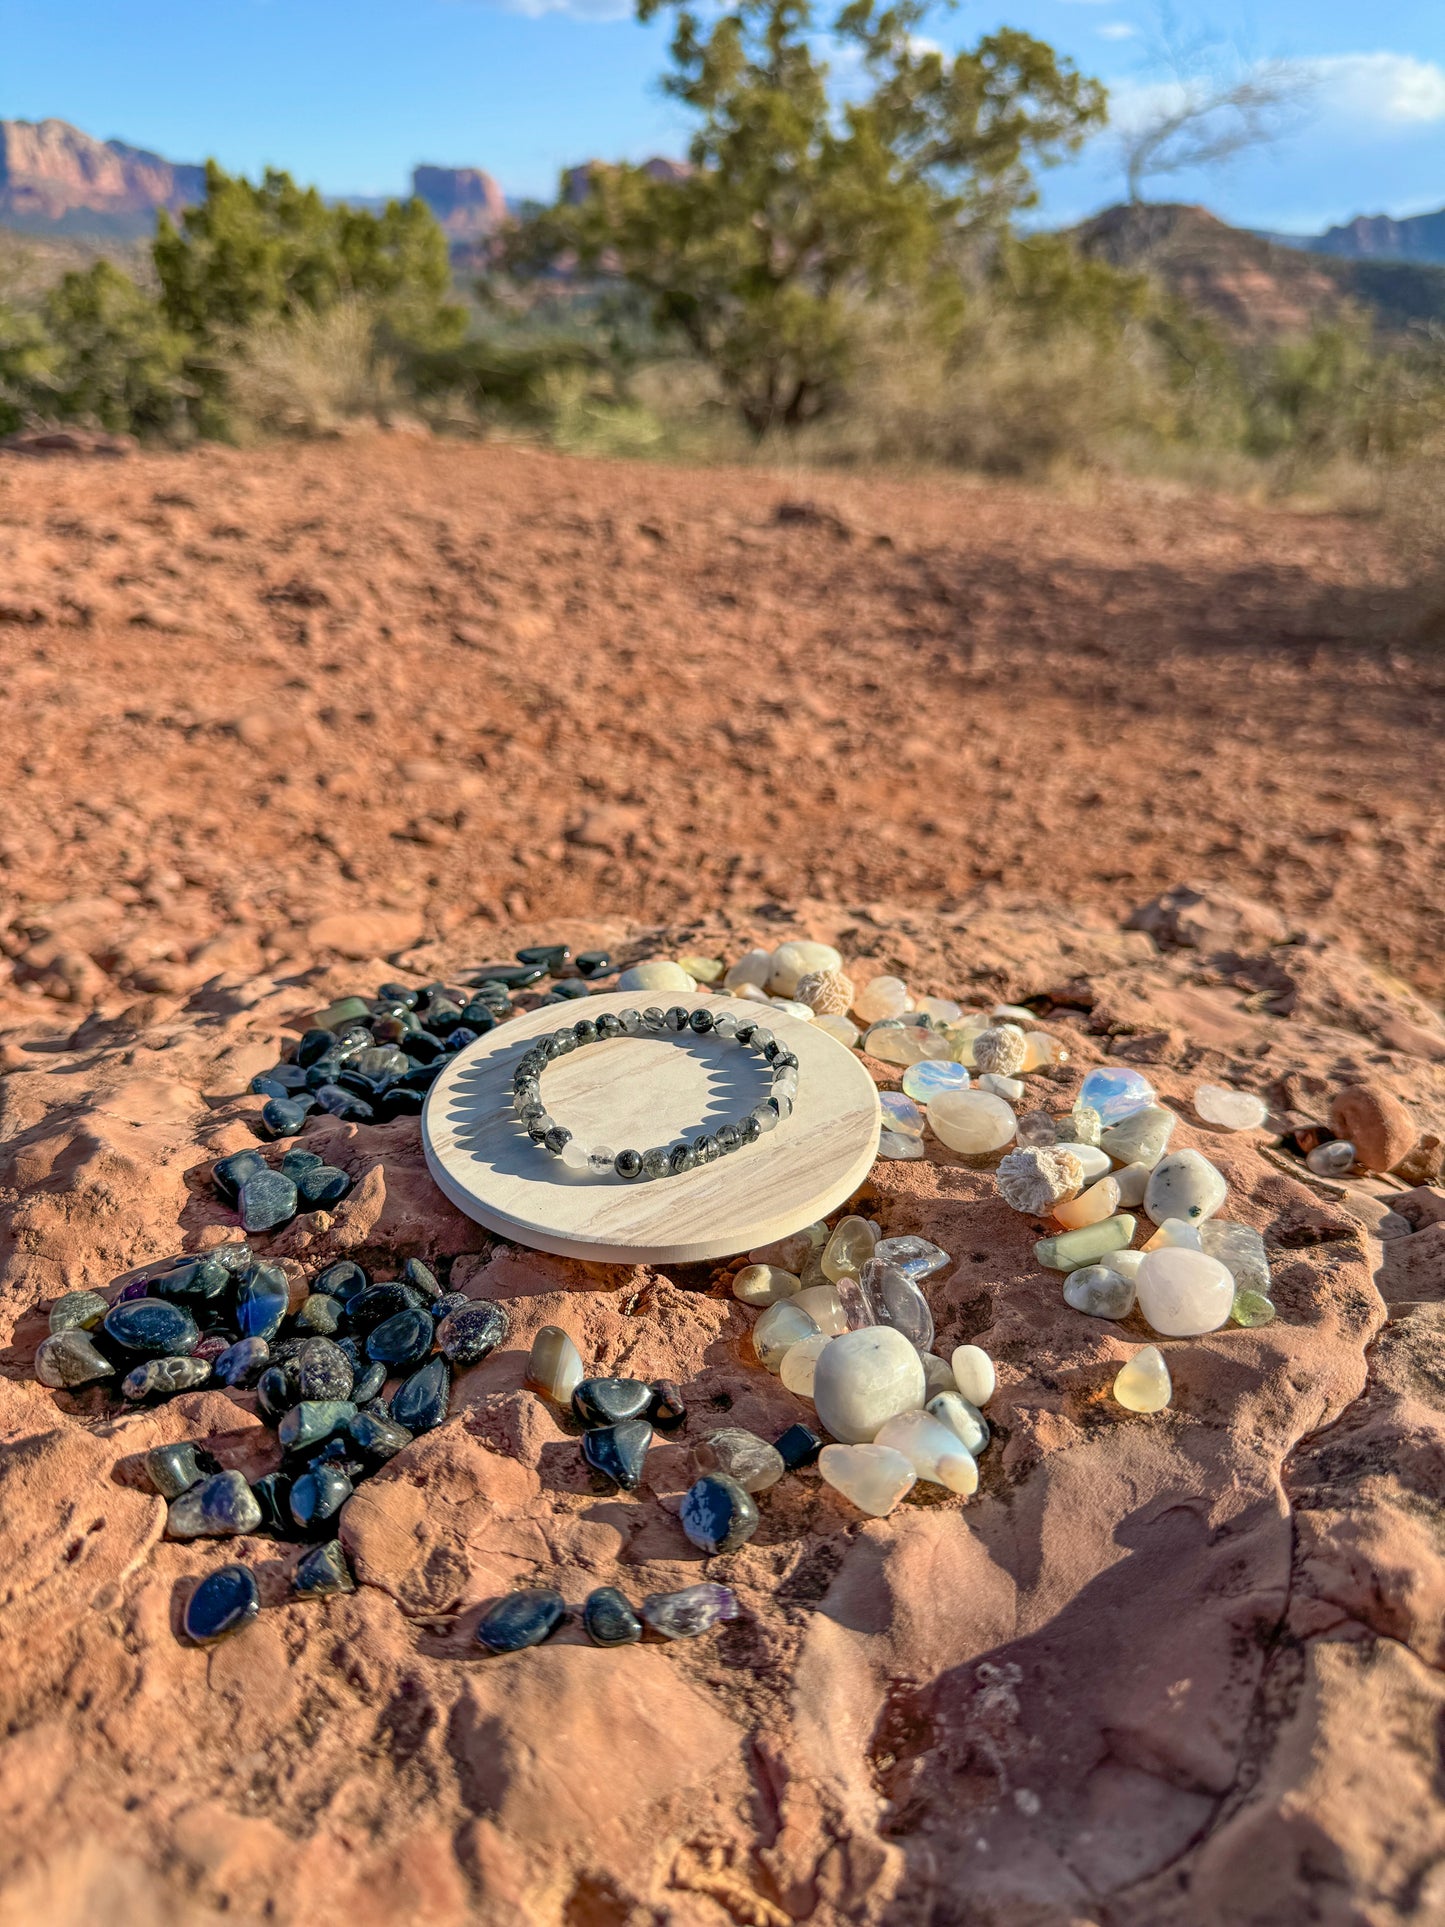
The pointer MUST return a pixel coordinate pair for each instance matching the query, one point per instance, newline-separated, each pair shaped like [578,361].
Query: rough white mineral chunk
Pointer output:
[1001,1049]
[865,1378]
[1143,1385]
[1034,1180]
[828,993]
[973,1373]
[971,1122]
[1233,1110]
[935,1452]
[1185,1185]
[1183,1293]
[873,1477]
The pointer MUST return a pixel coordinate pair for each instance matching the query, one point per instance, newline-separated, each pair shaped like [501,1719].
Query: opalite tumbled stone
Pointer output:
[1142,1138]
[839,1027]
[1183,1293]
[1143,1385]
[554,1365]
[915,1257]
[974,1374]
[963,1419]
[790,961]
[895,1300]
[754,967]
[741,1455]
[1232,1110]
[935,1452]
[1332,1160]
[891,1144]
[904,1044]
[764,1285]
[1240,1249]
[872,1477]
[1099,1291]
[1115,1093]
[881,997]
[1074,1248]
[780,1328]
[824,1306]
[929,1079]
[865,1378]
[1175,1231]
[1185,1185]
[1100,1201]
[1036,1179]
[972,1123]
[849,1248]
[901,1114]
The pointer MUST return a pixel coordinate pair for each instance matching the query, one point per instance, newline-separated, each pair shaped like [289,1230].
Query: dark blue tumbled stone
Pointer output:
[264,1086]
[399,1101]
[222,1604]
[379,1302]
[163,1377]
[314,1043]
[423,1049]
[475,1329]
[667,1410]
[295,1163]
[449,1301]
[420,1277]
[243,1363]
[152,1328]
[420,1402]
[593,963]
[323,1571]
[283,1117]
[323,1185]
[609,1620]
[404,994]
[570,987]
[267,1200]
[521,1619]
[369,1381]
[619,1452]
[376,1437]
[277,1390]
[316,1498]
[345,1281]
[551,956]
[798,1446]
[717,1514]
[273,1495]
[220,1507]
[262,1301]
[345,1105]
[174,1469]
[403,1340]
[609,1401]
[192,1282]
[228,1174]
[312,1421]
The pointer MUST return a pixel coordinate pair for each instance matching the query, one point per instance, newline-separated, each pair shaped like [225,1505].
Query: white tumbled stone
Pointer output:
[1232,1110]
[1175,1231]
[1183,1293]
[873,1477]
[1144,1385]
[864,1378]
[1184,1185]
[792,961]
[973,1373]
[780,1328]
[658,973]
[973,1123]
[937,1375]
[754,967]
[935,1452]
[824,1307]
[839,1027]
[963,1418]
[765,1285]
[1133,1182]
[1011,1089]
[800,1362]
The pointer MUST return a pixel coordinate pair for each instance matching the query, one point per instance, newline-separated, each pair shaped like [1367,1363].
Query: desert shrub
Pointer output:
[98,351]
[308,373]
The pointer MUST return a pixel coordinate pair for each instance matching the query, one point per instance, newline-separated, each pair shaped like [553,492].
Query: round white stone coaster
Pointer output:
[634,1093]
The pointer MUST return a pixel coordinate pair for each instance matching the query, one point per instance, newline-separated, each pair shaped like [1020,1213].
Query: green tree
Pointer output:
[806,199]
[113,358]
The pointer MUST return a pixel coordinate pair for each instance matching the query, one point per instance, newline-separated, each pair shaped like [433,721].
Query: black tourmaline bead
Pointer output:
[521,1619]
[585,1031]
[751,1129]
[609,1620]
[608,1025]
[222,1604]
[772,1051]
[593,963]
[798,1446]
[619,1452]
[701,1021]
[654,1018]
[610,1401]
[680,1158]
[704,1149]
[628,1164]
[745,1031]
[556,1138]
[676,1018]
[784,1061]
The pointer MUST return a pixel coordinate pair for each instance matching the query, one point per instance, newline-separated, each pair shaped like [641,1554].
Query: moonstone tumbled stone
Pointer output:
[873,1477]
[790,961]
[1099,1291]
[1142,1138]
[901,1114]
[891,1144]
[895,1300]
[929,1079]
[1185,1185]
[935,1452]
[1240,1249]
[973,1123]
[800,1363]
[1115,1093]
[863,1379]
[1143,1385]
[1074,1248]
[1183,1293]
[1232,1110]
[780,1328]
[740,1455]
[1036,1180]
[963,1419]
[764,1285]
[882,997]
[554,1365]
[974,1374]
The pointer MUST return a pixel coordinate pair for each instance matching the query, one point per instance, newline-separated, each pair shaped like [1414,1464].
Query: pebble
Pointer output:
[374,1306]
[973,1123]
[740,1455]
[792,961]
[872,1477]
[839,1027]
[880,998]
[152,1328]
[550,956]
[895,1301]
[262,1301]
[893,1144]
[322,1369]
[343,1281]
[1043,1050]
[1232,1110]
[611,1401]
[780,1328]
[915,1257]
[77,1311]
[1000,1050]
[420,1277]
[753,968]
[1036,1180]
[619,1452]
[272,1495]
[1143,1385]
[865,1378]
[765,1285]
[974,1374]
[1252,1308]
[420,1402]
[593,963]
[1140,1139]
[323,1572]
[522,1618]
[174,1469]
[1099,1291]
[1175,1231]
[1133,1182]
[658,973]
[222,1506]
[937,1377]
[320,1314]
[938,1010]
[932,1077]
[1333,1159]
[403,1340]
[935,1452]
[322,1187]
[1184,1293]
[222,1604]
[375,1436]
[316,1498]
[824,1305]
[69,1358]
[849,1248]
[284,1116]
[1126,1263]
[1376,1123]
[703,970]
[554,1365]
[800,1363]
[1116,1093]
[1100,1201]
[228,1174]
[694,1610]
[1012,1090]
[165,1375]
[450,1301]
[667,1410]
[608,1619]
[901,1114]
[472,1332]
[267,1199]
[718,1514]
[963,1419]
[313,1420]
[1074,1248]
[1184,1185]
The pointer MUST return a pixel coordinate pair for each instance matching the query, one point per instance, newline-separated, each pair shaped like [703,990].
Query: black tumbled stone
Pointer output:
[717,1514]
[798,1446]
[593,963]
[610,1401]
[193,1282]
[420,1402]
[345,1104]
[403,1340]
[242,1364]
[267,1200]
[314,1043]
[321,1314]
[609,1620]
[628,1165]
[420,1277]
[569,988]
[222,1604]
[174,1469]
[619,1452]
[369,1381]
[163,1377]
[449,1302]
[521,1619]
[380,1302]
[376,1437]
[277,1390]
[551,956]
[323,1370]
[322,1572]
[324,1185]
[273,1495]
[666,1410]
[262,1301]
[345,1280]
[228,1174]
[283,1117]
[469,1333]
[152,1328]
[316,1498]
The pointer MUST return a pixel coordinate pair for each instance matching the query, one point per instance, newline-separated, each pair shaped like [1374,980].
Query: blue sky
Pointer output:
[352,93]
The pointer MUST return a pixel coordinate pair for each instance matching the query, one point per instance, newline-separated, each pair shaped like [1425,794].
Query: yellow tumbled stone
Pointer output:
[1144,1385]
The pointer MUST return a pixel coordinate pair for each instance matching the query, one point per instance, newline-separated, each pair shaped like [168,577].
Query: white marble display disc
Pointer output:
[634,1093]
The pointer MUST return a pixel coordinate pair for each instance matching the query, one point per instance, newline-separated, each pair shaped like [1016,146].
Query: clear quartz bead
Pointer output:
[576,1156]
[767,1117]
[600,1159]
[726,1025]
[631,1021]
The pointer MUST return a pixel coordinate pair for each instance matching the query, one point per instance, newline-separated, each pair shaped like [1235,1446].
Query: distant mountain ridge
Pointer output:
[1380,237]
[55,179]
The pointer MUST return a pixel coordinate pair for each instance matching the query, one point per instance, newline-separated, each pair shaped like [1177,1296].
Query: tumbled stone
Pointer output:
[376,1437]
[284,1116]
[163,1377]
[973,1123]
[343,1281]
[420,1402]
[377,1303]
[718,1514]
[323,1572]
[1376,1123]
[932,1077]
[322,1187]
[1183,1293]
[77,1311]
[974,1374]
[1232,1110]
[1251,1308]
[611,1401]
[319,1313]
[608,1619]
[220,1507]
[658,973]
[864,1378]
[619,1452]
[882,997]
[893,1043]
[152,1328]
[1334,1159]
[779,1328]
[765,1285]
[312,1421]
[554,1365]
[824,1305]
[667,1409]
[1141,1138]
[1133,1182]
[742,1456]
[935,1452]
[420,1278]
[1178,1232]
[891,1144]
[1240,1249]
[685,1614]
[849,1247]
[472,1332]
[1099,1291]
[296,1162]
[322,1369]
[1012,1090]
[1184,1185]
[1100,1201]
[800,1364]
[937,1375]
[223,1603]
[1116,1093]
[402,1341]
[872,1477]
[1143,1385]
[229,1174]
[1039,1129]
[521,1619]
[900,1114]
[1126,1263]
[450,1301]
[839,1027]
[262,1301]
[273,1495]
[792,961]
[174,1469]
[69,1358]
[963,1419]
[1035,1180]
[798,1446]
[1042,1051]
[896,1301]
[267,1199]
[316,1498]
[753,968]
[915,1257]
[1074,1248]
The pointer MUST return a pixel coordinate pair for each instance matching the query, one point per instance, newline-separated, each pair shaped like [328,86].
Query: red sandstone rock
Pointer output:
[1376,1123]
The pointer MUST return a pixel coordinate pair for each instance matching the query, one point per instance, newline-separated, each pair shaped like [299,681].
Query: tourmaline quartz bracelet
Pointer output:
[669,1159]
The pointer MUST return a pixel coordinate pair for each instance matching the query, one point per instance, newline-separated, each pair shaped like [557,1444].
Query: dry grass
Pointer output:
[312,375]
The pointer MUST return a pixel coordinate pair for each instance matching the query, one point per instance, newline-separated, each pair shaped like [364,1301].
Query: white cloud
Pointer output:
[1396,89]
[1117,30]
[575,9]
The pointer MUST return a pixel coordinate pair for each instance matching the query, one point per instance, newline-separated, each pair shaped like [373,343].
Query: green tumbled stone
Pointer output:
[1252,1308]
[77,1311]
[346,1010]
[1083,1247]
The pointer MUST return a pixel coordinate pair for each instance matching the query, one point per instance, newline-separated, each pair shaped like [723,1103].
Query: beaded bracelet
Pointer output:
[665,1161]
